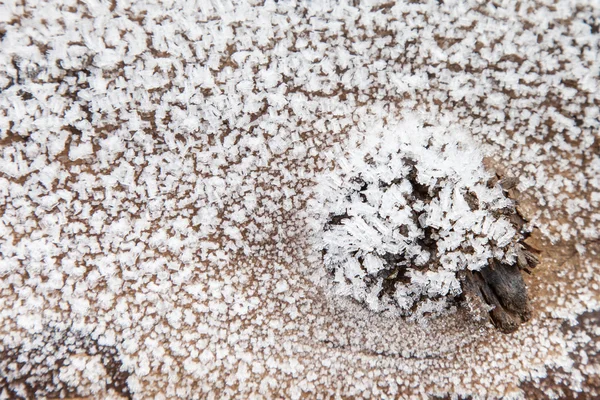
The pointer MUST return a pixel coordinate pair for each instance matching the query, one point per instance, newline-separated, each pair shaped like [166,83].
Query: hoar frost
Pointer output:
[408,209]
[153,190]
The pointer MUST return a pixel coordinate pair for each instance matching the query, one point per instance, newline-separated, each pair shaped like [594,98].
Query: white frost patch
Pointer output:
[85,371]
[80,151]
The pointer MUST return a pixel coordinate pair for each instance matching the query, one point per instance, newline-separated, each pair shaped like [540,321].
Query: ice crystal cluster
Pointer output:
[157,160]
[407,208]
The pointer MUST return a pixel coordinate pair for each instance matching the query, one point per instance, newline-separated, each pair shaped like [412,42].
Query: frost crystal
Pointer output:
[156,166]
[406,209]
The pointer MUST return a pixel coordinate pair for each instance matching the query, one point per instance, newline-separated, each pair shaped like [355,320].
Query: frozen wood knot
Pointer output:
[419,224]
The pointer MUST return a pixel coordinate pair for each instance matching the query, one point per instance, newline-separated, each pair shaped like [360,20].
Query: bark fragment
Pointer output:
[502,289]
